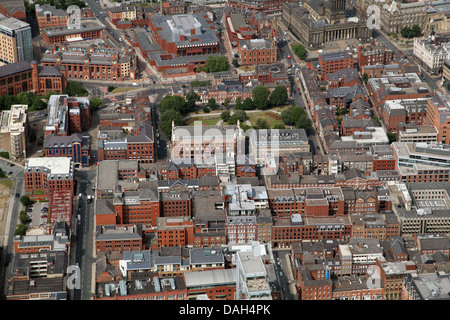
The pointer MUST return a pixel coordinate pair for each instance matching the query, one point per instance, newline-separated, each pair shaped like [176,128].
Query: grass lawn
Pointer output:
[7,182]
[282,108]
[205,120]
[271,118]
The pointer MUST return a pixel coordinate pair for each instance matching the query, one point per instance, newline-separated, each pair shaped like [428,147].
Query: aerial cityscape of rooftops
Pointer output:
[224,150]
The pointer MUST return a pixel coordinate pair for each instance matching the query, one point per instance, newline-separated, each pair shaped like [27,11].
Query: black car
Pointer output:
[17,195]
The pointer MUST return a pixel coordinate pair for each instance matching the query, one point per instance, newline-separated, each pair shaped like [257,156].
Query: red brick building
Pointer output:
[331,62]
[311,287]
[373,55]
[238,29]
[176,204]
[126,237]
[44,176]
[383,158]
[186,38]
[92,30]
[257,51]
[139,145]
[49,16]
[67,115]
[175,232]
[286,232]
[142,206]
[24,76]
[343,78]
[309,202]
[266,6]
[93,62]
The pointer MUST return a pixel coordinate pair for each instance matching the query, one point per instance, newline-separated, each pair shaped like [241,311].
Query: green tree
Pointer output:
[75,89]
[412,32]
[300,51]
[166,121]
[216,64]
[297,117]
[248,104]
[4,154]
[21,230]
[278,96]
[23,217]
[416,31]
[261,97]
[212,103]
[191,101]
[95,103]
[25,200]
[279,126]
[240,115]
[37,104]
[173,102]
[226,102]
[289,116]
[24,98]
[245,127]
[9,101]
[392,137]
[365,77]
[206,109]
[225,116]
[261,124]
[237,105]
[235,63]
[49,94]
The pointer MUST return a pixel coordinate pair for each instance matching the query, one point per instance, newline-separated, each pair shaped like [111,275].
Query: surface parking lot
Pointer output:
[38,213]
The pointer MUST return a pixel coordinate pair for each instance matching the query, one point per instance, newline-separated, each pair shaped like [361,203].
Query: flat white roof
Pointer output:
[56,165]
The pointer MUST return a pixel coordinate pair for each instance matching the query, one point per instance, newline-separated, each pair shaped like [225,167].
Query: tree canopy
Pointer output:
[173,102]
[216,64]
[237,115]
[411,32]
[167,117]
[300,51]
[261,97]
[278,96]
[297,117]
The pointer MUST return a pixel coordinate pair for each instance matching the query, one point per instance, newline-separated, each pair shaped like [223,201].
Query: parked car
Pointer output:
[44,216]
